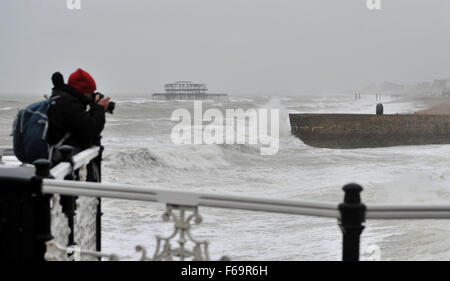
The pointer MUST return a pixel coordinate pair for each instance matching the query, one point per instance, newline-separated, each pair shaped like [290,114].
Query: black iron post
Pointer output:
[68,203]
[67,154]
[98,218]
[42,209]
[42,168]
[351,222]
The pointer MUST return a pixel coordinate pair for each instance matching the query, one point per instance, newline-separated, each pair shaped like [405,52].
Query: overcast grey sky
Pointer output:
[235,46]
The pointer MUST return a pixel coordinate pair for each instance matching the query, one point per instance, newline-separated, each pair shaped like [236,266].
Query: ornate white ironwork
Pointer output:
[84,228]
[85,220]
[183,225]
[78,254]
[60,231]
[85,225]
[85,236]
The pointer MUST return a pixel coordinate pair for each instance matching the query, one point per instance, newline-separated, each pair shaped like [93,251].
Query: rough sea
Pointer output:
[139,150]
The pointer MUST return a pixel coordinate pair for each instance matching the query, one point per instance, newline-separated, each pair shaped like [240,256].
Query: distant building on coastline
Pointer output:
[186,90]
[439,87]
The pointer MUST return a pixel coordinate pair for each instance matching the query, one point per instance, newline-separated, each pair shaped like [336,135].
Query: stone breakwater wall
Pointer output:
[369,130]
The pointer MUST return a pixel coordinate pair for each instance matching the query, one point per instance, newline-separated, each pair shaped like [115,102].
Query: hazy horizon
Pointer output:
[239,47]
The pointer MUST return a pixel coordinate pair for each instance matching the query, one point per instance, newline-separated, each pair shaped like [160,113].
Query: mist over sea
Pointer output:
[138,150]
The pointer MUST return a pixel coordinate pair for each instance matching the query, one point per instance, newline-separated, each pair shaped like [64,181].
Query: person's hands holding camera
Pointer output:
[100,99]
[103,102]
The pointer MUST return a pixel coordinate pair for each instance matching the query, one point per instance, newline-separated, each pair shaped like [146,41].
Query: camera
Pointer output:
[111,104]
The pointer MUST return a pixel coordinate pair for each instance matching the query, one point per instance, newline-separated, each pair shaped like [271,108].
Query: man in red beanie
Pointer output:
[69,118]
[82,81]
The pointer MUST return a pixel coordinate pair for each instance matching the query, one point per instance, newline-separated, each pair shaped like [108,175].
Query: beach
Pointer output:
[437,105]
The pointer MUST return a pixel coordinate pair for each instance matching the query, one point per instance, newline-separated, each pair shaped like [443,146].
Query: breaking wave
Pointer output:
[135,158]
[184,157]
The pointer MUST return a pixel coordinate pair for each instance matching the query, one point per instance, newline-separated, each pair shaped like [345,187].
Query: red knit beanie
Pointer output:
[82,81]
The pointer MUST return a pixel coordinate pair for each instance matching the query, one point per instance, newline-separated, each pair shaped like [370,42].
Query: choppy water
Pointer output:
[138,150]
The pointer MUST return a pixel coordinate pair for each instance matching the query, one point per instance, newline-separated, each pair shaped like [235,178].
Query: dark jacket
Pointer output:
[69,114]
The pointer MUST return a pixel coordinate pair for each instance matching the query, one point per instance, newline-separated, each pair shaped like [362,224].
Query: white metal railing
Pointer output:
[75,251]
[188,202]
[408,211]
[79,160]
[85,219]
[84,228]
[309,208]
[183,198]
[5,151]
[183,202]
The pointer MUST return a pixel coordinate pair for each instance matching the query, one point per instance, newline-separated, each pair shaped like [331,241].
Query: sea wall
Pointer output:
[369,130]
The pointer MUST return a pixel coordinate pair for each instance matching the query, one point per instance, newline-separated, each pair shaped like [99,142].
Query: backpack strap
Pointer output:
[56,146]
[51,100]
[64,138]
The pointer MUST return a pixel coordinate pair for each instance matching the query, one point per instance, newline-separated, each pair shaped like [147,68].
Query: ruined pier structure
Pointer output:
[186,90]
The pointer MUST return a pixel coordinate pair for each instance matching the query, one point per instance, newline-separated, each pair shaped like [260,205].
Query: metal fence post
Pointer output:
[68,203]
[351,222]
[98,218]
[43,213]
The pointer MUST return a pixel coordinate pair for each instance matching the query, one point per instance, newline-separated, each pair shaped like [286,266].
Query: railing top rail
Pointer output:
[79,160]
[63,168]
[6,151]
[407,207]
[131,192]
[299,207]
[408,211]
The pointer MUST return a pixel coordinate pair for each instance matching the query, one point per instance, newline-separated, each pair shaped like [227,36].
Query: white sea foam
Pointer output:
[388,175]
[138,150]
